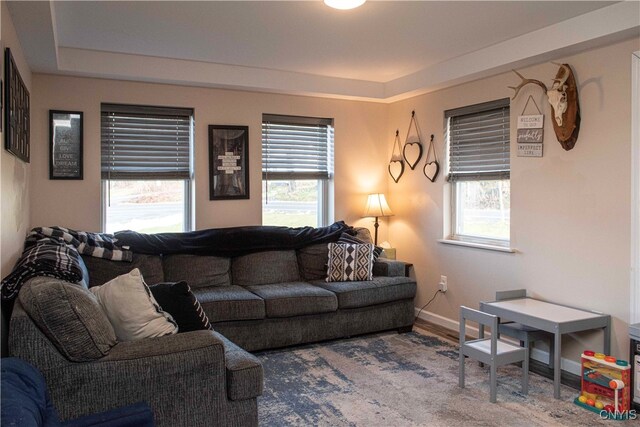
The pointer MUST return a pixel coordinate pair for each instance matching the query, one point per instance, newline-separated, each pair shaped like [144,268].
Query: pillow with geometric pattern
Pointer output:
[348,238]
[178,300]
[350,262]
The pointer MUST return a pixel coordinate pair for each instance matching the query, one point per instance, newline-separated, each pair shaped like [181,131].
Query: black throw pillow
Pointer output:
[177,299]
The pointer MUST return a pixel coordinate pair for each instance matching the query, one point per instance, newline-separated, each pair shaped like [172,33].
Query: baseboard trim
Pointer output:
[567,365]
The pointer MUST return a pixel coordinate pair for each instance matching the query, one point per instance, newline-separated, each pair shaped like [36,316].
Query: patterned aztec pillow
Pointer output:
[350,262]
[348,238]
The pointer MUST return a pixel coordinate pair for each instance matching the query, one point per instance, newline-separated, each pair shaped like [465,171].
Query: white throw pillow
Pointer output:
[131,308]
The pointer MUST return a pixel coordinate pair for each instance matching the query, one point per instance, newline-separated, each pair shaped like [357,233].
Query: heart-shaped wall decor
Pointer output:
[431,170]
[412,152]
[396,169]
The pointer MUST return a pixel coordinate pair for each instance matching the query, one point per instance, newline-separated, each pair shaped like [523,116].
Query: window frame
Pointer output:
[324,207]
[452,233]
[189,209]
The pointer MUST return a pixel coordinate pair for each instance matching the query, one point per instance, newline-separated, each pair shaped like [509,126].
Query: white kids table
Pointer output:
[554,318]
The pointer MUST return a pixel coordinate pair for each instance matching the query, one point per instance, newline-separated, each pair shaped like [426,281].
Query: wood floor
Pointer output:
[536,367]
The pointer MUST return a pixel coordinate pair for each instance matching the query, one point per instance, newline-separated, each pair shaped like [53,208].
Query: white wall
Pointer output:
[14,173]
[570,210]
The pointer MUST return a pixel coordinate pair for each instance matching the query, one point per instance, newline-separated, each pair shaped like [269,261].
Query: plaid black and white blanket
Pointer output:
[98,245]
[50,258]
[55,252]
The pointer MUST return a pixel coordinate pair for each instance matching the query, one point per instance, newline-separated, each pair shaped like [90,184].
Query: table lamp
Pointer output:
[376,207]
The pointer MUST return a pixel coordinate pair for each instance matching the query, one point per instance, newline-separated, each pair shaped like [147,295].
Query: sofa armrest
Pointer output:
[182,377]
[389,268]
[166,345]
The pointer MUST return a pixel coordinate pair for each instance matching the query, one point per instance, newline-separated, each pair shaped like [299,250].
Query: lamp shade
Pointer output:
[377,206]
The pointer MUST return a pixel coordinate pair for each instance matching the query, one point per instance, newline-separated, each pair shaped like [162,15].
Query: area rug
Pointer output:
[408,379]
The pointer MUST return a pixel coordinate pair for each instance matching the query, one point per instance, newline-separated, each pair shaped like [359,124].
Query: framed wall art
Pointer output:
[65,144]
[228,162]
[16,110]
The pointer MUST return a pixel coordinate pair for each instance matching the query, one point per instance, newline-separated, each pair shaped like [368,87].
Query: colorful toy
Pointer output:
[605,386]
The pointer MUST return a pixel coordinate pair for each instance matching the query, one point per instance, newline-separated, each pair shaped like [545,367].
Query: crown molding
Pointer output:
[600,27]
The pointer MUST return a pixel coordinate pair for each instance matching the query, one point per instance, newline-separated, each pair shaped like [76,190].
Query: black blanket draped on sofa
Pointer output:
[230,242]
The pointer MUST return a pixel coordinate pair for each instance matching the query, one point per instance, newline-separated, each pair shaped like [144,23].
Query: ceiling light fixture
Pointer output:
[344,4]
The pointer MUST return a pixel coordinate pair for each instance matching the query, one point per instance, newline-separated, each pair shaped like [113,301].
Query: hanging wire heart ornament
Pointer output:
[396,164]
[431,169]
[412,151]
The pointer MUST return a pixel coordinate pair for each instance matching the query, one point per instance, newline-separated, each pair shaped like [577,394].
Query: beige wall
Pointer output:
[570,218]
[14,173]
[570,210]
[360,153]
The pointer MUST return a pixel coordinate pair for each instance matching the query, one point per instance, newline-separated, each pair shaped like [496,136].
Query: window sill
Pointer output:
[478,245]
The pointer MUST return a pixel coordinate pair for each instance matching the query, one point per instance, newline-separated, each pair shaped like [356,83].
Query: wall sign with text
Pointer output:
[530,134]
[228,162]
[65,144]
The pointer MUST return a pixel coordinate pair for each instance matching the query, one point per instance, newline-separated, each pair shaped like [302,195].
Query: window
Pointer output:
[146,168]
[297,169]
[479,168]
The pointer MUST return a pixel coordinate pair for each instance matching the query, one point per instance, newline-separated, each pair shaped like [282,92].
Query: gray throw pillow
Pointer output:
[312,261]
[70,316]
[131,308]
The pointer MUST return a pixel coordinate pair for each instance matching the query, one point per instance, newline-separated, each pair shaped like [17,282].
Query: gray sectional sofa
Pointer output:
[257,301]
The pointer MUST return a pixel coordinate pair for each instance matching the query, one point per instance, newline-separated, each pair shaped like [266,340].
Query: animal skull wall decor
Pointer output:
[563,97]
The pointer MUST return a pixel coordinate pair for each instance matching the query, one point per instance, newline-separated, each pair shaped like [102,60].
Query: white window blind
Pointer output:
[141,142]
[296,147]
[479,141]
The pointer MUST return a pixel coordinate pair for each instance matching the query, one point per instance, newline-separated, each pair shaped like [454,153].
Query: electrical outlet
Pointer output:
[443,284]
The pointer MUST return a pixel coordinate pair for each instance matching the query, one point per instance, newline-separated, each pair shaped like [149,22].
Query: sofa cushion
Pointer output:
[350,262]
[295,299]
[244,371]
[363,233]
[70,316]
[389,267]
[263,268]
[370,292]
[178,300]
[197,270]
[229,303]
[312,261]
[103,270]
[131,308]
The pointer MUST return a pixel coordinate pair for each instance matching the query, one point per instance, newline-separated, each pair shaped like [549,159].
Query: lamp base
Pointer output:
[376,225]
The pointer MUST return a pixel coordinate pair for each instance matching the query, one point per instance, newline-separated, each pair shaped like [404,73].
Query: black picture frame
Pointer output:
[16,110]
[228,162]
[66,144]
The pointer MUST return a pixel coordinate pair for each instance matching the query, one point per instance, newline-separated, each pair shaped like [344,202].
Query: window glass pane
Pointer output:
[483,209]
[292,203]
[145,206]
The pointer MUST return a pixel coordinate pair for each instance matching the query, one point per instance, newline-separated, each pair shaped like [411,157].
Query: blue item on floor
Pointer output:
[26,403]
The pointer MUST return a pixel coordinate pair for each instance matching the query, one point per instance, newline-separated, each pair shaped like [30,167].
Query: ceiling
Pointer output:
[382,51]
